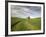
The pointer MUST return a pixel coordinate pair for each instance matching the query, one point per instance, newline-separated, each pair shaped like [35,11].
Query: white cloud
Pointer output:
[25,11]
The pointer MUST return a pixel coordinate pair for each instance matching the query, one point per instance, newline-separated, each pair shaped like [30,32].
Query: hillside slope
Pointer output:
[21,24]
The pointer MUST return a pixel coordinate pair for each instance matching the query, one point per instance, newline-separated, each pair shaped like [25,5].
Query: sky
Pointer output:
[25,11]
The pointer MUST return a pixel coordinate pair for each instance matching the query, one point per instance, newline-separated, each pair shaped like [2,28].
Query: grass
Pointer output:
[21,24]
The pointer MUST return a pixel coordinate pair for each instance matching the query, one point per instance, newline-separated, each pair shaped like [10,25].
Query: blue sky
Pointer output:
[25,11]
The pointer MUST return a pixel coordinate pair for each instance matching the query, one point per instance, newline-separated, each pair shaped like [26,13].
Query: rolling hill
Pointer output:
[21,24]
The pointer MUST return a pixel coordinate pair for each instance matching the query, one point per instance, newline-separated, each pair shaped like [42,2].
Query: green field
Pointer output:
[21,24]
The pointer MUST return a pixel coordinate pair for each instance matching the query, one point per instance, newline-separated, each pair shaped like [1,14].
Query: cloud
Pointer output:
[25,11]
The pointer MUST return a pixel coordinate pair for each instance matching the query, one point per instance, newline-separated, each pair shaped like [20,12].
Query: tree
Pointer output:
[28,17]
